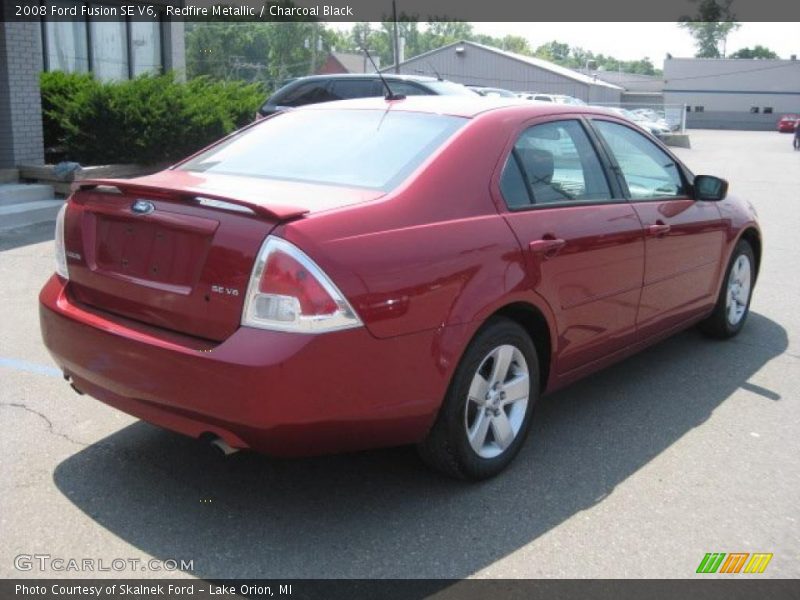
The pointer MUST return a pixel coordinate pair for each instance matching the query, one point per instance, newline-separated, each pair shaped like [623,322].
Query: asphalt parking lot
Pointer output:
[638,471]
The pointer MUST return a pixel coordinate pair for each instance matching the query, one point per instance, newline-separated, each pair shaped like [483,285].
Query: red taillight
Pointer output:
[284,276]
[289,292]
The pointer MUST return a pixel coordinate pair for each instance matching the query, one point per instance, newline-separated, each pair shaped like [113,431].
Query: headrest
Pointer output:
[538,164]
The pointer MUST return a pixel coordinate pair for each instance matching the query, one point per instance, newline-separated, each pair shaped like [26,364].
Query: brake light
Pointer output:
[289,292]
[61,251]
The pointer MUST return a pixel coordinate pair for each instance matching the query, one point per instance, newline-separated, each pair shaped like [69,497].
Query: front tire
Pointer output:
[733,303]
[487,411]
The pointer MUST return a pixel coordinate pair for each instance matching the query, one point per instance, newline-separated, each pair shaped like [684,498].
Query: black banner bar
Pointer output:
[404,589]
[378,10]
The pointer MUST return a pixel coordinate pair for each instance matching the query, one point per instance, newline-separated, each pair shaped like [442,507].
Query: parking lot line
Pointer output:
[29,367]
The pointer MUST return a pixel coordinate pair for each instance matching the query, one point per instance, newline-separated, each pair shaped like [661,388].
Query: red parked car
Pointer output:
[788,123]
[373,273]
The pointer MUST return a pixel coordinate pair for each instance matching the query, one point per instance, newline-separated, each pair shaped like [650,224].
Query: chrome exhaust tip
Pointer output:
[223,446]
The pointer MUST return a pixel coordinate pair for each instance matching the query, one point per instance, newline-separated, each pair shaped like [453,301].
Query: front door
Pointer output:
[684,238]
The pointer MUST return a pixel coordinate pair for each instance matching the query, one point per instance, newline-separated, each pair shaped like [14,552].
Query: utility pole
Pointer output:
[396,37]
[314,34]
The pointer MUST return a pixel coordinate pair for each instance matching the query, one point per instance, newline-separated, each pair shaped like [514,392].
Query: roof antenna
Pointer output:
[390,95]
[439,77]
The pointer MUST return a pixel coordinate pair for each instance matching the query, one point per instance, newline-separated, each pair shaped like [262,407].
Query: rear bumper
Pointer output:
[279,393]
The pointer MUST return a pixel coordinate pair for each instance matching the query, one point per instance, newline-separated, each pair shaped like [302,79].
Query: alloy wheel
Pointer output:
[497,401]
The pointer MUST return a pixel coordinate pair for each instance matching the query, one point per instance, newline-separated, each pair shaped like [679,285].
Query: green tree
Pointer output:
[711,27]
[757,51]
[554,51]
[266,52]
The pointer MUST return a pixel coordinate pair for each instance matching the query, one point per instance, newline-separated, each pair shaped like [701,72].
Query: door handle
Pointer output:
[548,248]
[659,229]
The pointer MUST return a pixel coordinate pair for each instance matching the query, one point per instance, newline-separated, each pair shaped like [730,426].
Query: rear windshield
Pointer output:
[361,148]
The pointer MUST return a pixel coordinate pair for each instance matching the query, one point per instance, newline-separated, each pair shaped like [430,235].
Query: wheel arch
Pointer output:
[752,236]
[530,318]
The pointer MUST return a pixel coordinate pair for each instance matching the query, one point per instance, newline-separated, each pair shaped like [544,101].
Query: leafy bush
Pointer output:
[147,120]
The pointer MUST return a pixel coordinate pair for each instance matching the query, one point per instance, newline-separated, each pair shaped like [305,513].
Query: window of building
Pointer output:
[767,110]
[112,50]
[66,44]
[145,47]
[109,49]
[754,109]
[699,108]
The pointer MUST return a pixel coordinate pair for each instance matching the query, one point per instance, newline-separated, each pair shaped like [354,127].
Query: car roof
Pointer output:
[458,106]
[395,76]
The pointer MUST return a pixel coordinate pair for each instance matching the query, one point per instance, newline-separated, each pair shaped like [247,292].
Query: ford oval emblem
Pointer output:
[143,207]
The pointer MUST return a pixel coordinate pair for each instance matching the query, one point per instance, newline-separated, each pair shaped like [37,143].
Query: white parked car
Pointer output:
[654,127]
[556,98]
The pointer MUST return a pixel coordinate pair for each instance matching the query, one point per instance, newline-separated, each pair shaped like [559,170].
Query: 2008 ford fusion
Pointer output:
[381,272]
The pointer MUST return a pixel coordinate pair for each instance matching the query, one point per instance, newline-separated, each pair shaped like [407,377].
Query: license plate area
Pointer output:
[150,253]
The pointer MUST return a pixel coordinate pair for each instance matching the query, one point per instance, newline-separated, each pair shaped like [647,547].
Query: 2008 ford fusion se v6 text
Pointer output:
[380,272]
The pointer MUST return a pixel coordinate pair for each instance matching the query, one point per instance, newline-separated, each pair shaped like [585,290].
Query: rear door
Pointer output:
[684,237]
[584,243]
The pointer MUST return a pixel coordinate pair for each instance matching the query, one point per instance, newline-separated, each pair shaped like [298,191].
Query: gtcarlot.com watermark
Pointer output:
[46,563]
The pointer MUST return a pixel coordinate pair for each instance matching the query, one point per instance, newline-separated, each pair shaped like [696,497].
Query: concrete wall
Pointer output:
[21,139]
[631,100]
[732,120]
[737,101]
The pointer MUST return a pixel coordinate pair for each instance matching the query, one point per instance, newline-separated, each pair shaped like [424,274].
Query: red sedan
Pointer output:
[788,123]
[371,273]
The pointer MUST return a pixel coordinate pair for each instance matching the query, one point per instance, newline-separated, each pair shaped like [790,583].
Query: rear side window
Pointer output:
[344,89]
[553,163]
[306,93]
[358,148]
[649,172]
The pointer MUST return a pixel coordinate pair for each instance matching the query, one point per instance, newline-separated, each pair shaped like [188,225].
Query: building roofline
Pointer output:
[527,60]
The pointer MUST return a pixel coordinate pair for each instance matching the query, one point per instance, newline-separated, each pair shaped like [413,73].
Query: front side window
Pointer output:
[649,172]
[553,163]
[374,149]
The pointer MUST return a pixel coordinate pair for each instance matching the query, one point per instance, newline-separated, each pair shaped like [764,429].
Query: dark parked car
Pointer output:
[326,88]
[377,281]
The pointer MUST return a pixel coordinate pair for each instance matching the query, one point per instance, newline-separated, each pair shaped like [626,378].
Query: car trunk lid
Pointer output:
[176,250]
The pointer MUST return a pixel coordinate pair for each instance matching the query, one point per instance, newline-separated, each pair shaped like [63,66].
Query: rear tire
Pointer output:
[733,303]
[487,411]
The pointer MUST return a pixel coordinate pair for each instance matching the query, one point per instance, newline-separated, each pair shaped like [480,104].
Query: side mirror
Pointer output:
[708,187]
